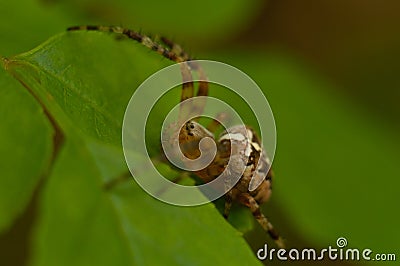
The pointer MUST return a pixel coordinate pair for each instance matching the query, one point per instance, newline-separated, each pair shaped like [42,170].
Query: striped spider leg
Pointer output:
[238,143]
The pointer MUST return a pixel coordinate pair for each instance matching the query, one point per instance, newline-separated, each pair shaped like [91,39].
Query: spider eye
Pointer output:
[191,126]
[188,124]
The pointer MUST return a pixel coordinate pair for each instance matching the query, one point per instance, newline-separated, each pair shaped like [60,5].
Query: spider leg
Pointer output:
[175,48]
[198,108]
[228,203]
[203,84]
[187,79]
[194,108]
[187,93]
[247,200]
[143,39]
[229,194]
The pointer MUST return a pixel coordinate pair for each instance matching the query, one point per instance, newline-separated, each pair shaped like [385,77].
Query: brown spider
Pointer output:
[239,144]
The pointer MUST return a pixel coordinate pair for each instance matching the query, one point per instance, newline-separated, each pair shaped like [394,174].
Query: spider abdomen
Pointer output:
[241,145]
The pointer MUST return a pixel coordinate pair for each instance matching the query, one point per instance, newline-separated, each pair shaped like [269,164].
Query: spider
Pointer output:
[238,143]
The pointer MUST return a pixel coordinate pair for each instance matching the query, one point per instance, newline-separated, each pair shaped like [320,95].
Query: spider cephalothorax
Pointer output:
[238,149]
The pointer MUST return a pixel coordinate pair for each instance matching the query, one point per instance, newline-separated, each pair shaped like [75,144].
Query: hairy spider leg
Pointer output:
[176,48]
[228,203]
[185,110]
[196,106]
[192,65]
[143,39]
[248,201]
[202,88]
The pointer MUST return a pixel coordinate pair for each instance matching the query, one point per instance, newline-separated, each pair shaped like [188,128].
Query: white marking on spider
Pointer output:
[233,136]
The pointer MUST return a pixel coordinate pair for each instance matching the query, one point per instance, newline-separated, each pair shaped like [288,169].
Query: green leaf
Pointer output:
[85,80]
[25,148]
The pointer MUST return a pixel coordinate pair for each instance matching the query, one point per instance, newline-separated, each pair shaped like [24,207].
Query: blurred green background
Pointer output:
[329,70]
